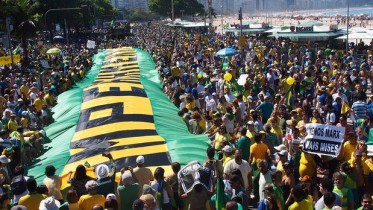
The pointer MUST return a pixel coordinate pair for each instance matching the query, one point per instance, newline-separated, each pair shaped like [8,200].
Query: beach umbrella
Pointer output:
[226,52]
[54,51]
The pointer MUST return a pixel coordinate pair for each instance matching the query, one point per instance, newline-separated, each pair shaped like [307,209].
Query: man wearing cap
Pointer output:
[106,176]
[142,174]
[250,133]
[92,198]
[341,95]
[210,103]
[127,190]
[227,150]
[12,124]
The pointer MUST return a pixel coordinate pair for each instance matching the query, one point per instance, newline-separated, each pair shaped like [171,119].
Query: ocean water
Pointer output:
[353,11]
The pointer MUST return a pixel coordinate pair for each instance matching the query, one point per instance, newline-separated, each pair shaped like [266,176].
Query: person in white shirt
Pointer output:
[341,95]
[243,166]
[264,177]
[228,96]
[330,118]
[212,103]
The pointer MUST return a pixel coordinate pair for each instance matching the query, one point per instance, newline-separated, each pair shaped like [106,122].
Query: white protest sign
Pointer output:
[242,80]
[323,139]
[91,44]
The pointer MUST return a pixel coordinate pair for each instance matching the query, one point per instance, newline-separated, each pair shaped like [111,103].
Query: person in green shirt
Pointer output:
[244,143]
[345,193]
[128,190]
[277,181]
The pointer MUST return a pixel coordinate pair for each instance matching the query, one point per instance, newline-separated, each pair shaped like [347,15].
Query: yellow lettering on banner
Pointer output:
[111,128]
[132,104]
[105,87]
[100,114]
[5,60]
[126,135]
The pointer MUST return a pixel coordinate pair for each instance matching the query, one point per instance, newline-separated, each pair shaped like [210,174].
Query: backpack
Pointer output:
[18,185]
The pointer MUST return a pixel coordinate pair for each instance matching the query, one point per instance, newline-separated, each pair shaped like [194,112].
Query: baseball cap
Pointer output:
[227,148]
[280,147]
[140,159]
[4,159]
[250,122]
[111,196]
[282,152]
[49,204]
[91,185]
[102,171]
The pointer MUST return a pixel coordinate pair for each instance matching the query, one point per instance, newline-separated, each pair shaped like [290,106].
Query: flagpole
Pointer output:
[348,23]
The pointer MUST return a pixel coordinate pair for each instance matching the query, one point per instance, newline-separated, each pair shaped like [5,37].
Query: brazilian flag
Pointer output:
[289,97]
[119,107]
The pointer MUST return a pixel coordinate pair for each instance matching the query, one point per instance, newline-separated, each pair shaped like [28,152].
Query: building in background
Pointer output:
[130,4]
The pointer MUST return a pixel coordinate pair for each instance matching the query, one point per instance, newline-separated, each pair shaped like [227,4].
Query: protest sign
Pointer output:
[194,173]
[91,44]
[5,60]
[323,139]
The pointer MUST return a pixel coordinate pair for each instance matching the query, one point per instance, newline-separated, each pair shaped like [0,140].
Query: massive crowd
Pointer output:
[257,127]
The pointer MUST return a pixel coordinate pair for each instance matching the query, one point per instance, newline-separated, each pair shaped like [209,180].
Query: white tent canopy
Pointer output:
[357,35]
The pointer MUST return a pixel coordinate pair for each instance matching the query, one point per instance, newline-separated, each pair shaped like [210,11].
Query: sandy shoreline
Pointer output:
[285,21]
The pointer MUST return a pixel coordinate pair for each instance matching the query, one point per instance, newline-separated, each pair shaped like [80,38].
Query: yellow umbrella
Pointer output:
[54,51]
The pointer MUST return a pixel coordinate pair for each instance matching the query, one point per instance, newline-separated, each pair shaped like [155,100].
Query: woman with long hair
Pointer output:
[79,180]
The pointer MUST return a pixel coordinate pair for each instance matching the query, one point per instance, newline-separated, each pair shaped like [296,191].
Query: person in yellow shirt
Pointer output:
[259,150]
[24,120]
[12,124]
[24,89]
[349,146]
[49,99]
[92,198]
[307,165]
[38,103]
[251,131]
[300,201]
[33,199]
[227,155]
[220,137]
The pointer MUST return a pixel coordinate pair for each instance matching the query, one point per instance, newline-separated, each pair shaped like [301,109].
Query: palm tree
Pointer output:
[21,12]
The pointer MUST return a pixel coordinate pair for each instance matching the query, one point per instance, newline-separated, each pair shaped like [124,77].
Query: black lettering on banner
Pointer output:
[322,147]
[94,93]
[91,146]
[116,116]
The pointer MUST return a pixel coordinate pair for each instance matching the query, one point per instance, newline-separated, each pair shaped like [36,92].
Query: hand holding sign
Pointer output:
[323,139]
[194,173]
